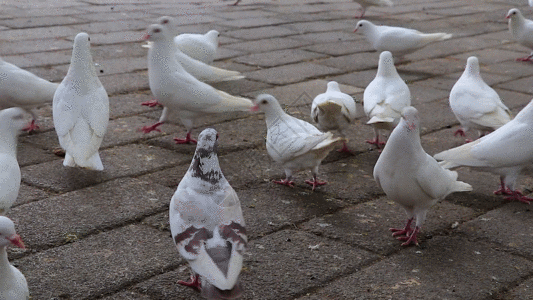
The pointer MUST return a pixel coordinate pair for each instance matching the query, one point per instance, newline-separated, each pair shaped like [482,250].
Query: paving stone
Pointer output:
[279,266]
[112,15]
[29,194]
[40,21]
[223,53]
[110,26]
[266,45]
[39,59]
[240,87]
[291,73]
[124,36]
[436,66]
[521,292]
[28,154]
[489,56]
[81,213]
[353,62]
[110,261]
[125,83]
[259,33]
[129,160]
[521,85]
[252,22]
[320,26]
[122,65]
[127,295]
[36,33]
[511,68]
[279,57]
[50,73]
[367,224]
[245,14]
[423,93]
[448,268]
[341,48]
[329,37]
[130,104]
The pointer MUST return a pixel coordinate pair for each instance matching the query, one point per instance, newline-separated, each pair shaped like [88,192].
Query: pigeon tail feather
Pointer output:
[435,37]
[210,291]
[377,119]
[230,103]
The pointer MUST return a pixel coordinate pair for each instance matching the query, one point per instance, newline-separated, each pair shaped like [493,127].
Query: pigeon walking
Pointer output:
[411,177]
[521,30]
[368,3]
[295,144]
[13,285]
[81,109]
[12,121]
[505,152]
[475,104]
[385,98]
[334,110]
[207,224]
[178,91]
[20,88]
[398,40]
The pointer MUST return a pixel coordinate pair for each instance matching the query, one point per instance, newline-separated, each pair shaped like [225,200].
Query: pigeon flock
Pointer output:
[206,220]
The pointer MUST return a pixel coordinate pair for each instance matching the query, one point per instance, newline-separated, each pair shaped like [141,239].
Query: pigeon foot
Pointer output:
[148,129]
[344,149]
[315,182]
[411,239]
[151,103]
[286,182]
[517,196]
[31,127]
[376,142]
[503,190]
[407,230]
[525,58]
[460,132]
[194,282]
[186,140]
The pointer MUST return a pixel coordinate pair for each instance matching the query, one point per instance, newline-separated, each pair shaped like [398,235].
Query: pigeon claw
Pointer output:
[193,283]
[410,239]
[31,127]
[503,191]
[286,182]
[376,142]
[186,140]
[517,196]
[315,183]
[344,149]
[526,58]
[460,132]
[148,129]
[151,103]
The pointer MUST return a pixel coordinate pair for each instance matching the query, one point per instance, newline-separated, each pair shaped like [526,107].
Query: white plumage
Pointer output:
[207,224]
[295,144]
[178,91]
[334,110]
[505,152]
[475,104]
[13,285]
[20,88]
[81,109]
[398,40]
[411,177]
[12,120]
[368,3]
[385,98]
[521,30]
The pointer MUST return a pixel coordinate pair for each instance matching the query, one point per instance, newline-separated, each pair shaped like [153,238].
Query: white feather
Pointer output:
[333,110]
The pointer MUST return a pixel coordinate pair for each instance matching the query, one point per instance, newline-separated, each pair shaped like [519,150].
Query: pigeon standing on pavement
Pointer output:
[398,40]
[81,109]
[178,91]
[20,88]
[505,152]
[521,30]
[207,224]
[385,98]
[13,285]
[295,144]
[12,121]
[475,104]
[334,110]
[411,177]
[368,3]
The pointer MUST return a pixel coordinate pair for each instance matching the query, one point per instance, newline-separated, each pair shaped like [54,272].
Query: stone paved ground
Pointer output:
[105,235]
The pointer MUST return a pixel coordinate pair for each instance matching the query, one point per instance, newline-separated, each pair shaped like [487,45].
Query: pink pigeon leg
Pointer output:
[363,10]
[31,127]
[344,149]
[186,140]
[236,2]
[151,103]
[503,190]
[460,132]
[410,239]
[525,58]
[315,182]
[403,231]
[376,142]
[194,282]
[517,196]
[148,129]
[285,181]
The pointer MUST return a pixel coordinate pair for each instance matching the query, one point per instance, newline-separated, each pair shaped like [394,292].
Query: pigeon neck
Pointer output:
[387,69]
[274,114]
[81,71]
[5,267]
[8,144]
[206,169]
[516,24]
[162,53]
[406,138]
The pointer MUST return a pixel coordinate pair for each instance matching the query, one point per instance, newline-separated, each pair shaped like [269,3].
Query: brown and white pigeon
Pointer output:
[411,177]
[13,285]
[207,224]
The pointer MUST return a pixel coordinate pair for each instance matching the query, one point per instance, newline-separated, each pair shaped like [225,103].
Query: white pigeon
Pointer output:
[12,121]
[178,91]
[334,110]
[411,177]
[207,224]
[20,88]
[13,285]
[201,47]
[385,98]
[398,40]
[530,2]
[368,3]
[295,144]
[475,104]
[81,109]
[521,30]
[505,152]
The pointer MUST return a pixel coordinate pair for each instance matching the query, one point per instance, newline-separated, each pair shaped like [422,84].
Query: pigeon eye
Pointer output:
[157,30]
[164,22]
[217,136]
[264,102]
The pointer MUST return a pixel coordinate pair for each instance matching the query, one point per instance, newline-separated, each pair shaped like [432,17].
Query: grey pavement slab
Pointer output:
[292,73]
[277,58]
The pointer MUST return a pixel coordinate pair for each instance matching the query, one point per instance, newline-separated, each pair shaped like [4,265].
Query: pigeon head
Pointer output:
[266,103]
[212,35]
[514,14]
[363,26]
[8,235]
[410,117]
[386,65]
[333,86]
[204,165]
[169,23]
[472,66]
[81,52]
[14,119]
[157,32]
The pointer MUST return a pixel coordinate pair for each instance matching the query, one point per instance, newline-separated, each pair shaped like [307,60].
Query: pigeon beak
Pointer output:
[355,30]
[17,241]
[508,16]
[145,37]
[254,108]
